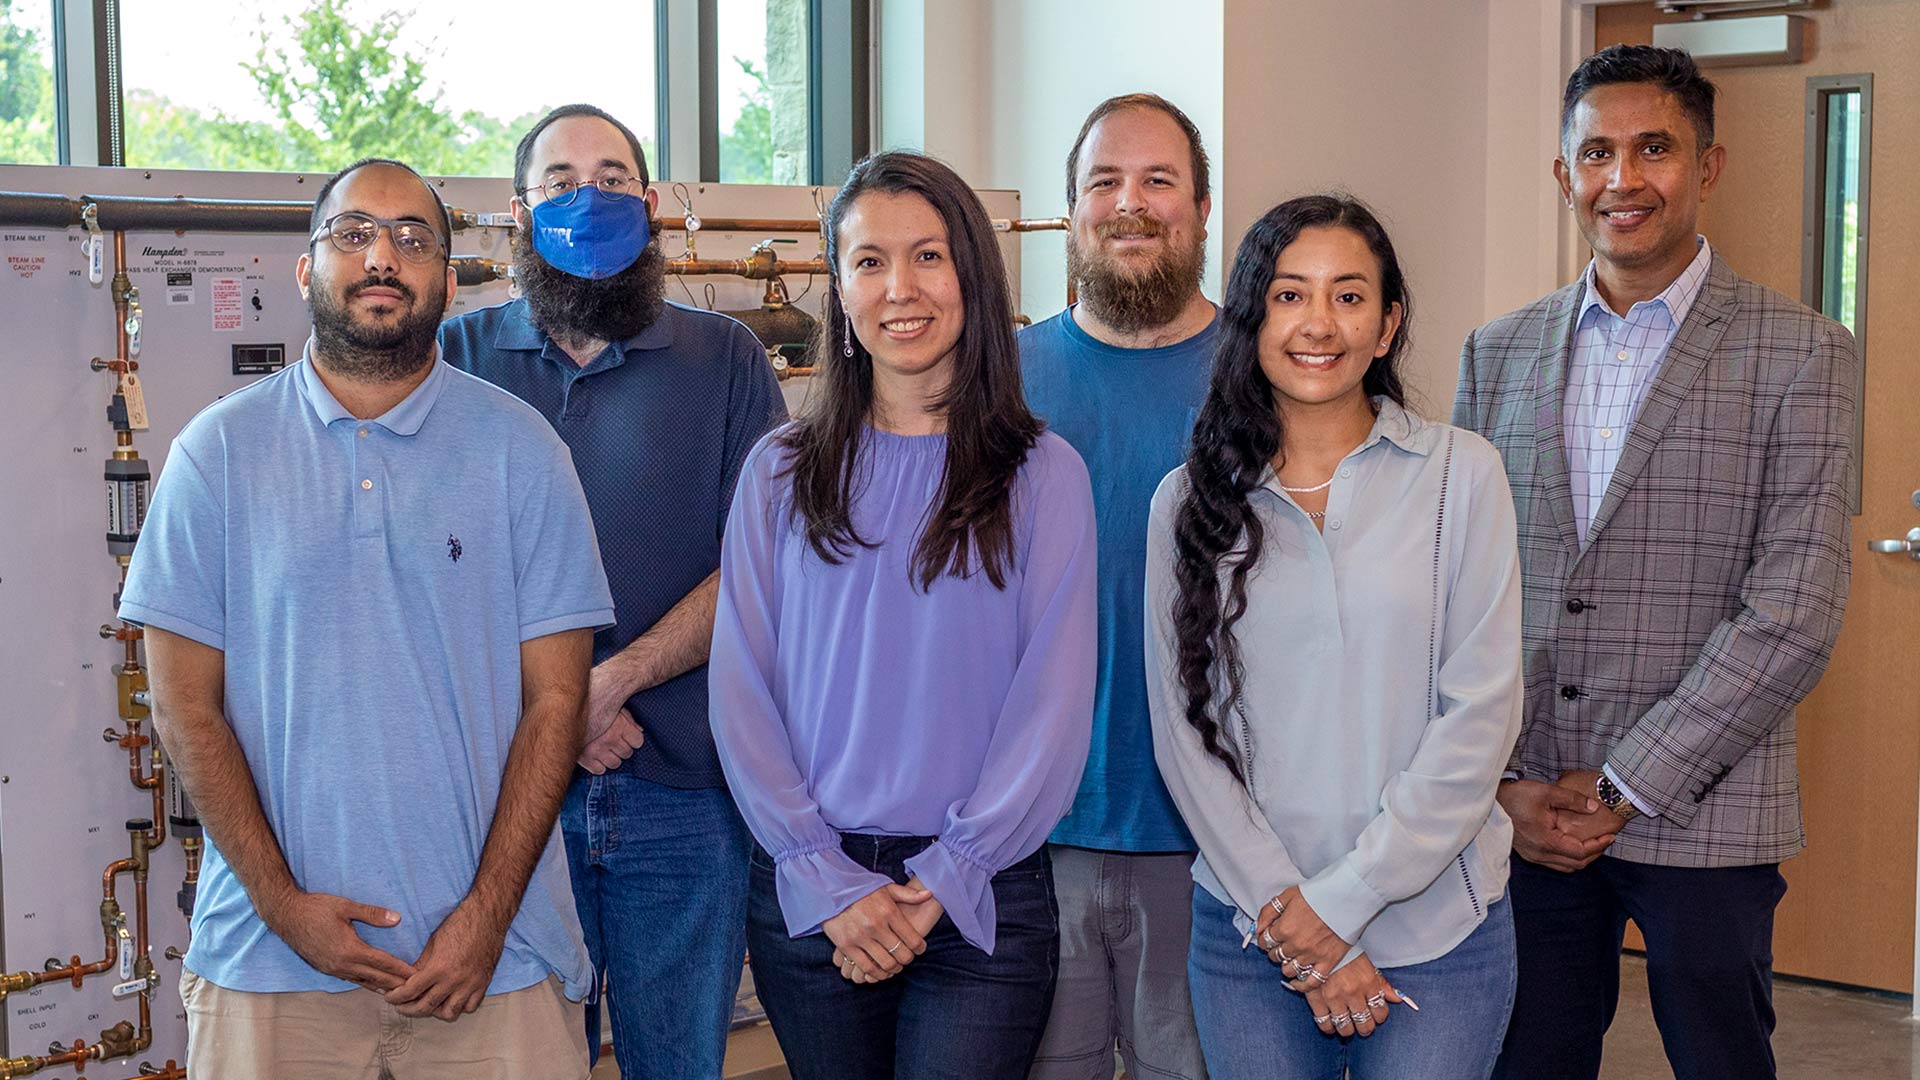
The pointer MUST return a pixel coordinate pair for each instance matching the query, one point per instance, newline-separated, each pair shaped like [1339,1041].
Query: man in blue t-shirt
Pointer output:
[369,585]
[659,405]
[1121,375]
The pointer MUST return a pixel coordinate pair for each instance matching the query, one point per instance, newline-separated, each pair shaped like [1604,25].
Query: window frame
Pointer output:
[1813,233]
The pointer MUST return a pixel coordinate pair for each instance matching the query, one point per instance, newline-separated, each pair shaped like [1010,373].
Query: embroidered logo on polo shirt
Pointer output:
[453,547]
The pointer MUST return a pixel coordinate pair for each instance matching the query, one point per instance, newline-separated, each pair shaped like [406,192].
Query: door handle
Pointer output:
[1911,545]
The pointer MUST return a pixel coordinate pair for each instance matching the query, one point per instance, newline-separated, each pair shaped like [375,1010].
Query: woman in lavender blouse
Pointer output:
[903,658]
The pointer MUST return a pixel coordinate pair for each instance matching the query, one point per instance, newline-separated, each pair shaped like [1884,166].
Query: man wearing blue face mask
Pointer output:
[659,404]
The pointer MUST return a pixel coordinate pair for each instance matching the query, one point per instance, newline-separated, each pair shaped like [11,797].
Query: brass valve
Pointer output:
[132,682]
[16,982]
[116,1041]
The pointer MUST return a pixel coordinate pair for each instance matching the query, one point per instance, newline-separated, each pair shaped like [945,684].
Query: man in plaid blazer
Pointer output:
[1680,477]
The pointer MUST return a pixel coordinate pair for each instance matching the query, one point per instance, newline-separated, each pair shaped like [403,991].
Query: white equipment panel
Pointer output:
[64,791]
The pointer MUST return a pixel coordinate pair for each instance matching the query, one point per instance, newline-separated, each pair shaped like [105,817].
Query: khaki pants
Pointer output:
[535,1033]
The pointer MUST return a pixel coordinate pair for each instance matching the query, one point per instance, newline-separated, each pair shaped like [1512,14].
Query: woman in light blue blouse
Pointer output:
[1333,597]
[903,658]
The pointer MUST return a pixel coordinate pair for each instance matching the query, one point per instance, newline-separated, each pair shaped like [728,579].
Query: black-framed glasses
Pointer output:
[561,191]
[353,232]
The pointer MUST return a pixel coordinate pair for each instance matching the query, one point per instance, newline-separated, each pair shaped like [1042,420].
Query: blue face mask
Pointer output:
[592,236]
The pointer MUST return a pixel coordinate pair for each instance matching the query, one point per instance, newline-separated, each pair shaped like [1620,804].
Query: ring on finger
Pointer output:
[1278,907]
[1377,1001]
[1317,977]
[1327,1019]
[1359,1016]
[1267,940]
[893,948]
[1343,1020]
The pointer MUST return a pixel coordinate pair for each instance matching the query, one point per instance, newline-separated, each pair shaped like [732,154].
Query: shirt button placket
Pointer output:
[369,496]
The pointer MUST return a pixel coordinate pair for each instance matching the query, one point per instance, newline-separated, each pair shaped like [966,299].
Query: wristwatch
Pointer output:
[1614,799]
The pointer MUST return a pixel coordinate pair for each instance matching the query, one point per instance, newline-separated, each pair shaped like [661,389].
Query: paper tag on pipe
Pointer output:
[136,405]
[126,957]
[129,988]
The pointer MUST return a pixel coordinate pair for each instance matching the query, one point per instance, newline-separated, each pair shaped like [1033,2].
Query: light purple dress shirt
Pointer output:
[846,700]
[1615,358]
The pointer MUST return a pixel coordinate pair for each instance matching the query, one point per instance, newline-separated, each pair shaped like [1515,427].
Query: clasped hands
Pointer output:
[1350,1001]
[450,977]
[880,933]
[1561,825]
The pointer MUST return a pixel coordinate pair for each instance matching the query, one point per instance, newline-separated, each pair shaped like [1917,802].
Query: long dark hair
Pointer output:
[989,428]
[1237,434]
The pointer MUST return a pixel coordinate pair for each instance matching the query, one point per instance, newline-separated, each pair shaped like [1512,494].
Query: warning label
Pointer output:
[225,302]
[26,253]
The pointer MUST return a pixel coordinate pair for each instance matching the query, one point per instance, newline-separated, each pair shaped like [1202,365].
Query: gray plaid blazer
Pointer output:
[1703,608]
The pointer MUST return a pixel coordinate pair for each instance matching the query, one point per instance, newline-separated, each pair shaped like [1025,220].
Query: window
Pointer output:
[764,67]
[1833,254]
[29,128]
[1840,208]
[447,86]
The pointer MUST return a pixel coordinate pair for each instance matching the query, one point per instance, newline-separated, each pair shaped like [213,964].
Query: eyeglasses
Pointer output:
[354,232]
[563,190]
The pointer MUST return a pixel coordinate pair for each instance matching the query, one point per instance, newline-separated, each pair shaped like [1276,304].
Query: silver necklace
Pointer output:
[1308,490]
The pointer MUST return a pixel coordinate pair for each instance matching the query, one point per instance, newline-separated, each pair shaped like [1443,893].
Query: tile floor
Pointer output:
[1824,1034]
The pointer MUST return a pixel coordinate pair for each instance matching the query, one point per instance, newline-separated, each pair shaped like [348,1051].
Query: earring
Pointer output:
[846,345]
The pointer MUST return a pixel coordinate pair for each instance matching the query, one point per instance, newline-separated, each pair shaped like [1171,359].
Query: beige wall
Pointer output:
[999,88]
[1440,114]
[1383,100]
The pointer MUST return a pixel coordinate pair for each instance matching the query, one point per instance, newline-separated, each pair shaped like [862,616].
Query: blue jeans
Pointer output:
[1252,1027]
[660,881]
[955,1013]
[1123,968]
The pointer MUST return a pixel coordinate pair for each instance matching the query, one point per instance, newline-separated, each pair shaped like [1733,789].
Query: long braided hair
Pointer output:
[1237,435]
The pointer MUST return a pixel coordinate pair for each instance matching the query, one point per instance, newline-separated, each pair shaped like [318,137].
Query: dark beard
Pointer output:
[375,354]
[574,309]
[1130,300]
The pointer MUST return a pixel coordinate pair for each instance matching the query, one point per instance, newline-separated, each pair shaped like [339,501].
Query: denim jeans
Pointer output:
[955,1013]
[660,881]
[1252,1027]
[1123,968]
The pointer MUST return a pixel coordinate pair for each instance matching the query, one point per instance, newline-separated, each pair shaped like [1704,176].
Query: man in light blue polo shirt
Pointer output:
[370,584]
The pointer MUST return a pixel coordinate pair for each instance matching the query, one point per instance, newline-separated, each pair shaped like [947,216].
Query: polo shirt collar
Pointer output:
[518,330]
[1677,298]
[405,418]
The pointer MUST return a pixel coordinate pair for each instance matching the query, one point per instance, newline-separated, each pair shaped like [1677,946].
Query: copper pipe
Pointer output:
[158,834]
[110,911]
[121,284]
[170,1072]
[739,224]
[1046,224]
[121,212]
[27,1066]
[746,268]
